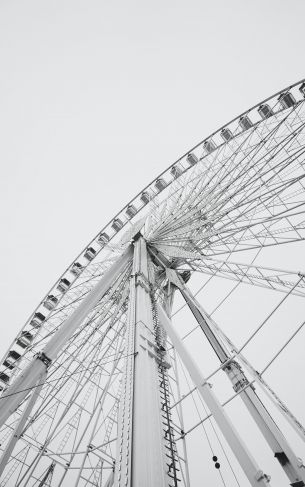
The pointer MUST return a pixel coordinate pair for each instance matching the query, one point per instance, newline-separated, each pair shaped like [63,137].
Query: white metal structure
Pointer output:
[95,387]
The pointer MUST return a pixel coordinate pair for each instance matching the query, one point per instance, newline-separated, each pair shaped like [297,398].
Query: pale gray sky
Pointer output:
[98,97]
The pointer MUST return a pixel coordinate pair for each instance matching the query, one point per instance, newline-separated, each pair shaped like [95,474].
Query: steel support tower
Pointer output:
[91,389]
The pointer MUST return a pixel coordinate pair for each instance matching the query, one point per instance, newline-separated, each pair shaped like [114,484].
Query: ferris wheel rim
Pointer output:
[150,245]
[150,184]
[153,195]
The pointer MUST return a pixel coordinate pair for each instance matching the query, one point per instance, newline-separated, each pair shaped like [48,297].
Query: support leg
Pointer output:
[255,476]
[274,437]
[20,425]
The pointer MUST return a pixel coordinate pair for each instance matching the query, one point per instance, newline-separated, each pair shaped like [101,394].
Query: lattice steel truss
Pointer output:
[90,387]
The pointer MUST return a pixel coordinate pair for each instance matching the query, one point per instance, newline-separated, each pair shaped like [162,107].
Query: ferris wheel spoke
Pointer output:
[66,438]
[201,190]
[281,165]
[96,409]
[259,164]
[88,375]
[95,425]
[253,205]
[264,232]
[260,223]
[239,190]
[253,275]
[248,157]
[262,202]
[260,232]
[275,187]
[94,321]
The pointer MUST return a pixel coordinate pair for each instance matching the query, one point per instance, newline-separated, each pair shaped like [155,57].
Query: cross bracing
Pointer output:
[91,387]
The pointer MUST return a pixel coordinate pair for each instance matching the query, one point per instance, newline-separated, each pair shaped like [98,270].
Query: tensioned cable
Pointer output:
[223,300]
[71,374]
[252,336]
[213,428]
[121,281]
[202,420]
[256,188]
[245,387]
[200,289]
[261,325]
[67,375]
[51,332]
[272,97]
[203,427]
[235,354]
[63,308]
[78,369]
[269,316]
[77,333]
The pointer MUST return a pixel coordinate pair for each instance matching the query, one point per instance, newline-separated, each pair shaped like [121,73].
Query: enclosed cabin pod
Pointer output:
[209,146]
[160,184]
[117,224]
[245,123]
[76,269]
[25,339]
[226,134]
[37,319]
[50,302]
[286,100]
[90,253]
[192,159]
[103,239]
[131,211]
[176,171]
[4,380]
[63,285]
[265,111]
[302,89]
[11,360]
[145,197]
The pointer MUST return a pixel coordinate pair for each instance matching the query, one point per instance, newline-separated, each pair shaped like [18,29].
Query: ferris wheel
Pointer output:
[161,323]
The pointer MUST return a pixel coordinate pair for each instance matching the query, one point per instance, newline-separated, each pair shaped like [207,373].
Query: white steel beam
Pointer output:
[278,403]
[98,415]
[20,425]
[141,459]
[277,442]
[30,376]
[254,474]
[272,434]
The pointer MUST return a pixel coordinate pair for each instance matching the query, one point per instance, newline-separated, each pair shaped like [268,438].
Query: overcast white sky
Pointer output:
[98,97]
